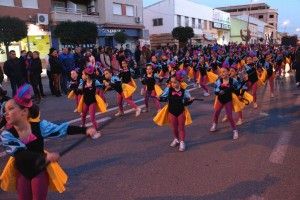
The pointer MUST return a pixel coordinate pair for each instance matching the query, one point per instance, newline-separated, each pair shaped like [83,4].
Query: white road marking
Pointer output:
[279,151]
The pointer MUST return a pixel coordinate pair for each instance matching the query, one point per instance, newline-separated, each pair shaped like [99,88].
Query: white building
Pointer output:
[208,23]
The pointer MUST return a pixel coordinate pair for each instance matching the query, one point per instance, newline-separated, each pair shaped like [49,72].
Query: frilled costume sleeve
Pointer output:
[165,95]
[51,130]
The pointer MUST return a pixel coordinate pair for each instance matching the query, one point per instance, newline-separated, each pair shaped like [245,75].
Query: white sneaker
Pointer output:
[138,112]
[75,110]
[118,114]
[174,143]
[235,134]
[239,122]
[272,95]
[213,127]
[97,135]
[224,118]
[206,94]
[255,105]
[182,146]
[199,86]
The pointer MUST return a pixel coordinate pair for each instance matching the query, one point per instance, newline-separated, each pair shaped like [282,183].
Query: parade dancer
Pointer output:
[90,100]
[30,170]
[151,90]
[175,112]
[224,87]
[203,67]
[163,74]
[114,82]
[252,77]
[74,92]
[194,72]
[270,74]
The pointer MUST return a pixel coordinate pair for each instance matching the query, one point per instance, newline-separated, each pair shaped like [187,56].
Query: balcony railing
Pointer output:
[64,14]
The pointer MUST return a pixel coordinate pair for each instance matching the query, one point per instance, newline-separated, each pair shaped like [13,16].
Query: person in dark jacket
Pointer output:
[56,70]
[34,71]
[67,61]
[13,70]
[23,59]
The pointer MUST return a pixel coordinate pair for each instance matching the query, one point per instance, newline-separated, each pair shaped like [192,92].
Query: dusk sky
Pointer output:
[288,10]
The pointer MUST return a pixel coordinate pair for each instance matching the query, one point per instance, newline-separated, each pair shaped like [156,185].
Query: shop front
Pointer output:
[37,40]
[106,36]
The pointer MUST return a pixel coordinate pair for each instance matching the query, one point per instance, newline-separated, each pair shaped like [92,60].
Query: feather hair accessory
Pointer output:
[23,96]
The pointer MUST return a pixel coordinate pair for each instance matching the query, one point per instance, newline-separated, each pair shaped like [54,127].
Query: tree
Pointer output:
[183,34]
[76,33]
[289,40]
[11,29]
[120,37]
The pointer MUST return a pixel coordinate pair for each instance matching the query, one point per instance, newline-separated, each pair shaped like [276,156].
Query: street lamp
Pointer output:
[285,24]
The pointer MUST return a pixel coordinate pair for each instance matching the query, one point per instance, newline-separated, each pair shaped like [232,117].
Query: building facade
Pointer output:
[110,16]
[209,25]
[36,14]
[260,11]
[236,26]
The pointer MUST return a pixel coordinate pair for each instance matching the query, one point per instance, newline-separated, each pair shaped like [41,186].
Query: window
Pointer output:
[117,9]
[158,22]
[271,16]
[193,23]
[129,11]
[199,24]
[260,17]
[30,4]
[178,20]
[209,25]
[205,25]
[186,21]
[7,3]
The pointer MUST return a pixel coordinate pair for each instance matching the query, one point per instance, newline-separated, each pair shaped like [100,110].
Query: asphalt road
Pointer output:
[133,159]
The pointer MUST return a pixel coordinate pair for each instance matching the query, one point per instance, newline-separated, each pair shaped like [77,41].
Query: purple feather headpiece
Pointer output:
[23,96]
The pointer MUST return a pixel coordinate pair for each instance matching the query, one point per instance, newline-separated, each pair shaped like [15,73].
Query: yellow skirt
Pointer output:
[57,177]
[161,117]
[262,78]
[101,105]
[183,85]
[211,77]
[181,67]
[128,90]
[71,95]
[237,104]
[158,90]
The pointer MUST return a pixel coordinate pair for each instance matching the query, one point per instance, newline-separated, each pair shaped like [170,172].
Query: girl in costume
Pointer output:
[194,72]
[151,89]
[27,170]
[175,112]
[114,82]
[163,74]
[224,87]
[241,97]
[100,77]
[74,92]
[205,76]
[268,66]
[90,100]
[252,78]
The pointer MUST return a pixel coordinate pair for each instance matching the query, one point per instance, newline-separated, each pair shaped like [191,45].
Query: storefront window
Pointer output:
[7,3]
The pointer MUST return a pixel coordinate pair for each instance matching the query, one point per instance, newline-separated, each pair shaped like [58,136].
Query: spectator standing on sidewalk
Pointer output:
[13,70]
[67,60]
[79,60]
[56,70]
[34,71]
[49,75]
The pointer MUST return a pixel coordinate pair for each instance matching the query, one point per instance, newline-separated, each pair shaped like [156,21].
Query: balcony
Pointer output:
[59,14]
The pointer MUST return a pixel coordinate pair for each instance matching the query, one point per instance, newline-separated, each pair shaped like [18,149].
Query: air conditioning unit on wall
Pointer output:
[138,20]
[42,19]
